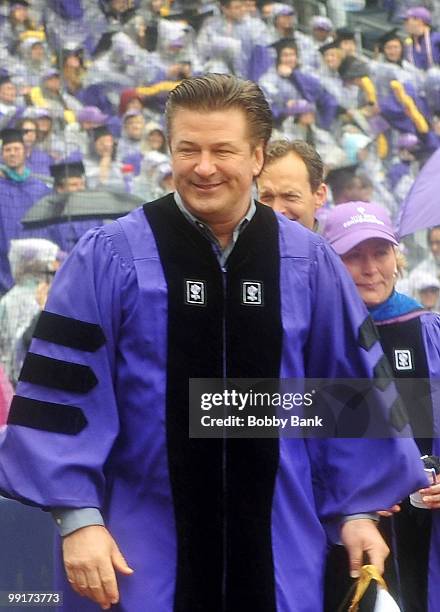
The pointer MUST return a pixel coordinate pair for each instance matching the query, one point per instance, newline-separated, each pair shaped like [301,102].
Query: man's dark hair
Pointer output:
[315,167]
[217,92]
[429,232]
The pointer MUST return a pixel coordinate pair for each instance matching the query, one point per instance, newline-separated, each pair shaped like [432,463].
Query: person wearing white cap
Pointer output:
[31,261]
[362,234]
[32,62]
[133,133]
[428,291]
[284,20]
[322,30]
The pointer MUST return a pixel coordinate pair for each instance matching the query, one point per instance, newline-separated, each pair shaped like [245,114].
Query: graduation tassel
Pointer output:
[410,107]
[384,601]
[369,90]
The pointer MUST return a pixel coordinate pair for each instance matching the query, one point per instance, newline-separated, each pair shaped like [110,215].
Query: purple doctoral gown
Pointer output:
[425,571]
[431,339]
[100,419]
[15,200]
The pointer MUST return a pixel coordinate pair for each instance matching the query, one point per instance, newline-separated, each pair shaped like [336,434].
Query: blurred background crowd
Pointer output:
[83,85]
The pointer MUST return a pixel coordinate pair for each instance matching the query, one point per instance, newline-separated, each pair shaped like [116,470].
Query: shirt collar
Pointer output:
[205,228]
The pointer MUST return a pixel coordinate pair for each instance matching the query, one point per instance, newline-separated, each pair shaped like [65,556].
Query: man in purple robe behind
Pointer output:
[19,190]
[161,296]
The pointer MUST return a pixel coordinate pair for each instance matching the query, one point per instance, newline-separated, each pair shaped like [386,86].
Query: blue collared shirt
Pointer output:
[222,254]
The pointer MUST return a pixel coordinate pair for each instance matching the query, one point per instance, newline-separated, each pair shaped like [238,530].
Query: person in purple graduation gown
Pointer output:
[69,177]
[151,518]
[362,234]
[19,190]
[423,48]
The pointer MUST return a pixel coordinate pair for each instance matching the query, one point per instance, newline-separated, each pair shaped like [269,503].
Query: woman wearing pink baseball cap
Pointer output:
[363,235]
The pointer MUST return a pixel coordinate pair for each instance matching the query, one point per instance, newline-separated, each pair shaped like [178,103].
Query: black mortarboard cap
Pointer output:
[104,44]
[101,130]
[341,174]
[4,78]
[20,2]
[328,46]
[9,135]
[191,15]
[387,36]
[66,169]
[353,68]
[283,43]
[344,34]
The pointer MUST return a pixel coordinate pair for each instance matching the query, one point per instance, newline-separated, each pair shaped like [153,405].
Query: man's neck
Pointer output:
[222,228]
[17,175]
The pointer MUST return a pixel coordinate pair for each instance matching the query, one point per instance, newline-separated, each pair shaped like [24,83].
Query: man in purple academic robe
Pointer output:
[69,177]
[203,283]
[19,191]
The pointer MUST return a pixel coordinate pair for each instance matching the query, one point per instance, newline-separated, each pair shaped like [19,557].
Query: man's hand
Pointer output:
[91,557]
[284,70]
[431,495]
[387,513]
[359,536]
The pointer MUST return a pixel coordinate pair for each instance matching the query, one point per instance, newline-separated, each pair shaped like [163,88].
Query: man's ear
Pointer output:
[258,159]
[321,195]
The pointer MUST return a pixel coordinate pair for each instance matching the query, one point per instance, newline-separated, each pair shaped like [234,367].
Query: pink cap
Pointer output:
[351,223]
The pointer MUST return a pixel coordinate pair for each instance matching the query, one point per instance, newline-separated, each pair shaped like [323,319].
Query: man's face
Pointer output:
[393,51]
[285,186]
[333,58]
[348,47]
[266,10]
[29,133]
[156,140]
[285,22]
[120,6]
[104,145]
[72,62]
[320,35]
[250,7]
[289,57]
[429,297]
[14,155]
[214,162]
[306,119]
[37,52]
[53,83]
[72,184]
[8,93]
[134,127]
[234,11]
[20,13]
[156,5]
[434,244]
[44,125]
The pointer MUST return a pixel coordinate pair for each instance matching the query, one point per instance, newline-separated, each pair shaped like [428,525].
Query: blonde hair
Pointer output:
[401,263]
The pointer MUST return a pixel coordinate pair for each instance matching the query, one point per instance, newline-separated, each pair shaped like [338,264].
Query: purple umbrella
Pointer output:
[421,208]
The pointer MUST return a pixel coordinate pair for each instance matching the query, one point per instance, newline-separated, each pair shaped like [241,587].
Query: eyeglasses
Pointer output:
[434,243]
[27,131]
